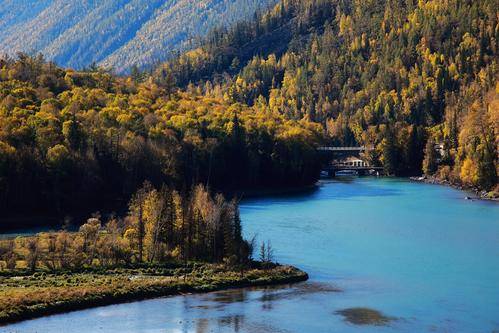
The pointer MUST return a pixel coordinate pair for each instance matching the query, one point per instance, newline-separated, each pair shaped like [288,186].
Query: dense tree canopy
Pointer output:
[382,73]
[416,80]
[71,139]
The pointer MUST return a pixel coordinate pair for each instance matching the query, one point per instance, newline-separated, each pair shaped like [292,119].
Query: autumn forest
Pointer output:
[247,107]
[161,148]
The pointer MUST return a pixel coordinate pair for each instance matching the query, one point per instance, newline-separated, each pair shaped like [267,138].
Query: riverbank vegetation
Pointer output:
[28,295]
[167,244]
[161,226]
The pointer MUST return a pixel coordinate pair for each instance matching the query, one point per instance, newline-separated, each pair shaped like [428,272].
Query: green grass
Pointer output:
[25,296]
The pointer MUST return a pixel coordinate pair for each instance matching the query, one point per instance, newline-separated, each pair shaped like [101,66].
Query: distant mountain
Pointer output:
[114,33]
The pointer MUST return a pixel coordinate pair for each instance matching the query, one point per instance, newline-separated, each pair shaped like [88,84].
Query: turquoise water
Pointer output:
[416,252]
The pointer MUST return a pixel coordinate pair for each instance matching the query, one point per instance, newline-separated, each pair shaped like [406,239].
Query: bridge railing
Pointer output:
[362,148]
[351,167]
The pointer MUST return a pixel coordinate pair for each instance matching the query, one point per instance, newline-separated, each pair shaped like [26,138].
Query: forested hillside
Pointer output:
[80,140]
[405,77]
[415,80]
[115,33]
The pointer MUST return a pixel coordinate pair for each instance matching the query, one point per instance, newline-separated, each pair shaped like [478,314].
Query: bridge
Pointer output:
[333,169]
[337,159]
[344,149]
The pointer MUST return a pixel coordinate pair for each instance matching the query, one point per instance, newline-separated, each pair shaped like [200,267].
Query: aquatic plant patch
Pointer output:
[365,316]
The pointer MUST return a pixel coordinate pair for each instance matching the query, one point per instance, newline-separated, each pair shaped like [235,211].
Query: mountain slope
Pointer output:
[114,33]
[400,76]
[42,29]
[158,37]
[101,32]
[13,12]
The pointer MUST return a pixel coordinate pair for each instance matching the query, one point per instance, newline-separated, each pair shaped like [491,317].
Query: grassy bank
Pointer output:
[25,296]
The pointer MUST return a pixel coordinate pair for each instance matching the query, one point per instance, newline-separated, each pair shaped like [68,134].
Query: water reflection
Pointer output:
[229,296]
[225,311]
[296,291]
[338,189]
[202,325]
[343,189]
[233,310]
[266,294]
[235,322]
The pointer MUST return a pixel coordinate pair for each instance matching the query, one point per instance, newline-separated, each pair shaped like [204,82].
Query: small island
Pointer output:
[168,244]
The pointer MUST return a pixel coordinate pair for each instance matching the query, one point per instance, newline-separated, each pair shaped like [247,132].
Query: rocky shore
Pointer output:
[475,193]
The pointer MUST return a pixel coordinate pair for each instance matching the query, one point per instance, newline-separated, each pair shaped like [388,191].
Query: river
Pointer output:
[418,253]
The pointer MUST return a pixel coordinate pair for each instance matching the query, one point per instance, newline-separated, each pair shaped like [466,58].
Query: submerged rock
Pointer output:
[365,316]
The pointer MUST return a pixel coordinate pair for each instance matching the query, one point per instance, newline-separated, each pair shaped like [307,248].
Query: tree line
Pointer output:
[161,226]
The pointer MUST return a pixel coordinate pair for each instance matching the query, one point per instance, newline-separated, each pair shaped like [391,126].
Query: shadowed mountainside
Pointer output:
[114,33]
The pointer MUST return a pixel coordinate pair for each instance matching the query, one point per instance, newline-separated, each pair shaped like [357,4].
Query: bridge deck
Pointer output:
[362,148]
[348,167]
[361,170]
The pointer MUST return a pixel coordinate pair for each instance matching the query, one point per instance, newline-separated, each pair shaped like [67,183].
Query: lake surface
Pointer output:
[415,252]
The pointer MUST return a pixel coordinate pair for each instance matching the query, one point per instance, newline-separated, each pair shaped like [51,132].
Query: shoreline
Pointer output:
[268,191]
[478,195]
[81,299]
[54,222]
